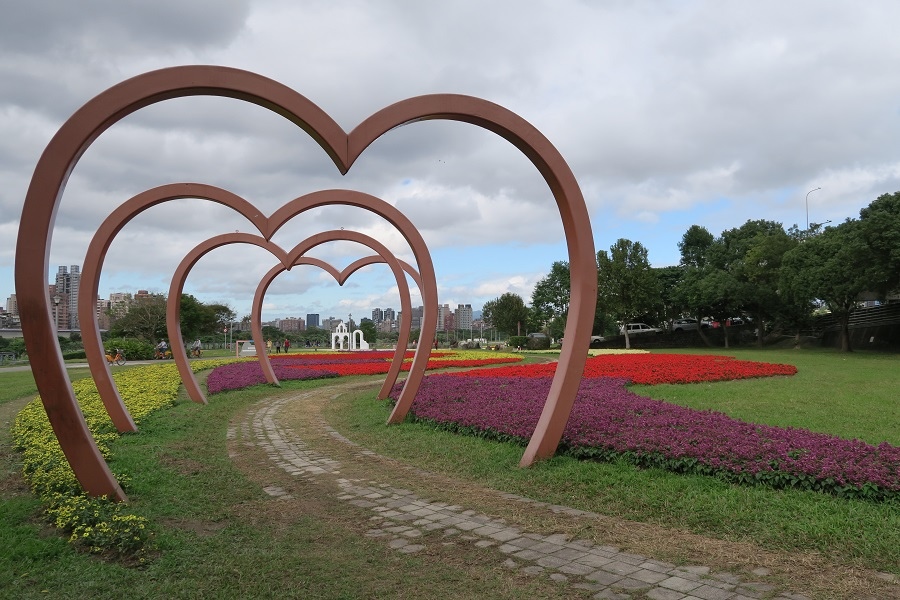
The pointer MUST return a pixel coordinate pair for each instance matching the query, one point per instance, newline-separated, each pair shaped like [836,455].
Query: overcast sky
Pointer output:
[670,114]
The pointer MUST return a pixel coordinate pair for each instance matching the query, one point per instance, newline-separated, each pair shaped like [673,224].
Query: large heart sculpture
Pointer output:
[91,120]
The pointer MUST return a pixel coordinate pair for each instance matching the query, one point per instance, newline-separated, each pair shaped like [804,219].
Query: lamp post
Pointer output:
[807,205]
[56,300]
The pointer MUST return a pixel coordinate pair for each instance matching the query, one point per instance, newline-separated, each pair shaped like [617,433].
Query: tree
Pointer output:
[145,320]
[196,319]
[669,278]
[626,285]
[836,267]
[694,246]
[507,313]
[880,228]
[550,298]
[370,334]
[754,254]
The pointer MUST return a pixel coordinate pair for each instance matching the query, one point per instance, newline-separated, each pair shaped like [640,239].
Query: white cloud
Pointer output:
[669,115]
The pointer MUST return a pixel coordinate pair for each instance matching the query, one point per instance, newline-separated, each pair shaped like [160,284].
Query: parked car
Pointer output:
[679,325]
[636,328]
[596,341]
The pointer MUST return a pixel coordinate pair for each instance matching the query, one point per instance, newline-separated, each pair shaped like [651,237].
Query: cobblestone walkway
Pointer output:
[407,523]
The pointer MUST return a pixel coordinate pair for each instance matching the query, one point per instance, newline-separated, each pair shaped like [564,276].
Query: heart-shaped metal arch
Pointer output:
[288,259]
[135,205]
[82,128]
[340,277]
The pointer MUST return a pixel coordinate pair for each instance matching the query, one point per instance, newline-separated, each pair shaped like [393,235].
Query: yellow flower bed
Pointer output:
[471,355]
[97,524]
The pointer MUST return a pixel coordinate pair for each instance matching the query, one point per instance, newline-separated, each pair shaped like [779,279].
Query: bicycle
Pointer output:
[195,352]
[116,359]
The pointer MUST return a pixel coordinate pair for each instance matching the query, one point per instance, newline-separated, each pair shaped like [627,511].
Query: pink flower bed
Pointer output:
[608,421]
[238,375]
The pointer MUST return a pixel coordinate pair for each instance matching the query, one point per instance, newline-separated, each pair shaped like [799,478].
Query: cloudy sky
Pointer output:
[669,113]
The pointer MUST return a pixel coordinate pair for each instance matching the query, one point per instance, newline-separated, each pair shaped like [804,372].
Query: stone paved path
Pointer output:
[407,523]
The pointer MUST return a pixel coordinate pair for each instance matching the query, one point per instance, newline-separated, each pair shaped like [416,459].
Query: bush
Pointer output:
[74,354]
[538,343]
[517,341]
[133,348]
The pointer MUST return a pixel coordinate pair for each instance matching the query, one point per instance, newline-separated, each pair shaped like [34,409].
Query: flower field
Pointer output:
[654,369]
[608,422]
[321,365]
[97,524]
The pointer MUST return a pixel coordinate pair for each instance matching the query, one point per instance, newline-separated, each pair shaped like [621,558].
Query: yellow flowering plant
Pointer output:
[96,524]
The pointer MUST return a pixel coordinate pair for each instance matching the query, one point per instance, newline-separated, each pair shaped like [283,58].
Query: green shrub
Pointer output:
[517,341]
[133,348]
[538,343]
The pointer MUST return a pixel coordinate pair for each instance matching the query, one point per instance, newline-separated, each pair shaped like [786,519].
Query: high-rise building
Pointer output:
[291,324]
[12,305]
[443,311]
[377,315]
[464,316]
[312,320]
[65,289]
[389,314]
[415,319]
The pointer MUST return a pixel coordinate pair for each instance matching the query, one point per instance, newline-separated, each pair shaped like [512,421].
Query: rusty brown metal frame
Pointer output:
[341,277]
[173,306]
[77,134]
[120,217]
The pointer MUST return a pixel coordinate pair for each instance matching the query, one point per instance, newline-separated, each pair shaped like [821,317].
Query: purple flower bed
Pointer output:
[608,421]
[238,375]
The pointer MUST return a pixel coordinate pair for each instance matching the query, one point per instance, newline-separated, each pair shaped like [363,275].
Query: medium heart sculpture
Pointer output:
[134,206]
[91,120]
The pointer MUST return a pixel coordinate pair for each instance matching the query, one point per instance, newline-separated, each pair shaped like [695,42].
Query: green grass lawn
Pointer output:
[214,538]
[218,535]
[850,396]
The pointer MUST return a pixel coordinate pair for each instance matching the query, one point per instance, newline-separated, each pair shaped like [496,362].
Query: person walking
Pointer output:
[287,345]
[277,346]
[269,346]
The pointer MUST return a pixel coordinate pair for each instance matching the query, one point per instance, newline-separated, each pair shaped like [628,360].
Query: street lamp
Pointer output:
[807,205]
[56,300]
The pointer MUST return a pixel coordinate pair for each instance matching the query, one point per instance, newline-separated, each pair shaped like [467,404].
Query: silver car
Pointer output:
[634,328]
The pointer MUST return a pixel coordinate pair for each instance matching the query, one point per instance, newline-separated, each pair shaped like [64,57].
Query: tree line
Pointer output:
[776,277]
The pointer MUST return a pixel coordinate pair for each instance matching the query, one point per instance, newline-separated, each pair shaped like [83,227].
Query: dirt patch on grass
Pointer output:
[11,482]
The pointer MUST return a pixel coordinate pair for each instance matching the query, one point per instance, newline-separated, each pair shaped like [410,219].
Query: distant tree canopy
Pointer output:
[146,319]
[507,313]
[627,286]
[758,270]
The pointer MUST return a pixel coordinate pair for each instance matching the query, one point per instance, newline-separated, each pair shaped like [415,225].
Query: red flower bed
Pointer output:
[651,369]
[376,368]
